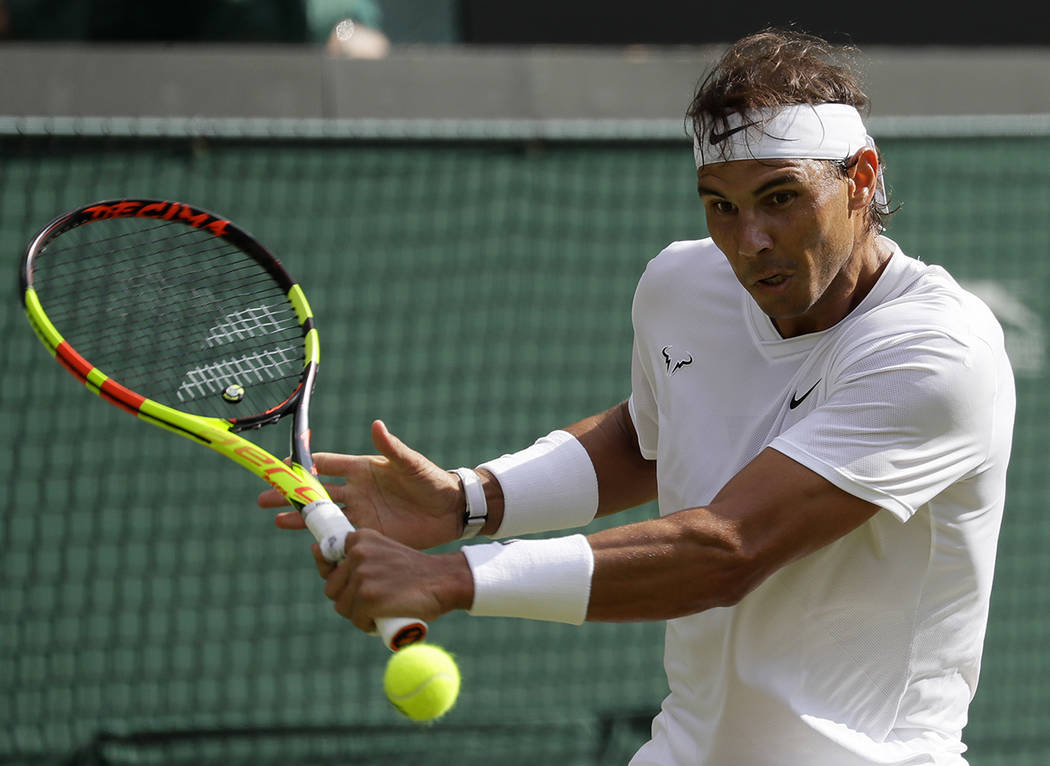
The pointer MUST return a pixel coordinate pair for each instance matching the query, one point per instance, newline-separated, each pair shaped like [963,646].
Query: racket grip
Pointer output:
[329,526]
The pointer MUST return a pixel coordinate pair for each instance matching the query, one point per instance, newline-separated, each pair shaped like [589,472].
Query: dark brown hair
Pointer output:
[776,68]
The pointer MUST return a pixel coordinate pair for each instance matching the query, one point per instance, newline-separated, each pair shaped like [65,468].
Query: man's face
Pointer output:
[789,234]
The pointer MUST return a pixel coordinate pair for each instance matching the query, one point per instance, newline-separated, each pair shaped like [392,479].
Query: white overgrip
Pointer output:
[329,526]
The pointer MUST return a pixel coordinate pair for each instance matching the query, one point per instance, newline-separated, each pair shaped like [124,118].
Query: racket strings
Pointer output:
[119,268]
[173,313]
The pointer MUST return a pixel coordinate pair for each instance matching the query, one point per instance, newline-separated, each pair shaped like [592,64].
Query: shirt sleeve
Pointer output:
[642,406]
[904,417]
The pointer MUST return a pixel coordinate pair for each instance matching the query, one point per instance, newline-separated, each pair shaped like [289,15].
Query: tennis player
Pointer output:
[825,421]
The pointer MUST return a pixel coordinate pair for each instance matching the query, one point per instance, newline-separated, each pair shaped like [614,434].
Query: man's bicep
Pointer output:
[782,511]
[773,512]
[899,426]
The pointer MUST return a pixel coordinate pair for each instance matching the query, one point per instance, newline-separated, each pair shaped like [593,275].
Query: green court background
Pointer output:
[474,294]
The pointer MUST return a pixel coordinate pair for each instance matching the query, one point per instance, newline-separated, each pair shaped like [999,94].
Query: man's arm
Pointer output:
[381,576]
[773,512]
[625,478]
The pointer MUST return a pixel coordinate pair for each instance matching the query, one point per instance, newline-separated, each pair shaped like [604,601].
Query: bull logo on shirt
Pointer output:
[676,360]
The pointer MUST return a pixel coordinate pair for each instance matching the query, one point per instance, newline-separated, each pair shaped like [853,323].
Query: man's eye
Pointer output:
[721,206]
[781,197]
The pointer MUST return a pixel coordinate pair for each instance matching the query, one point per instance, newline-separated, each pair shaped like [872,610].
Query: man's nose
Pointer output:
[753,236]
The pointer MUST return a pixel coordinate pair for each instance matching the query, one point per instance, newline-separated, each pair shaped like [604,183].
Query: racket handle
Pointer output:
[329,526]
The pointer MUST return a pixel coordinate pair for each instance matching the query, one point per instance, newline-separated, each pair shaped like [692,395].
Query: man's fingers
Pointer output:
[271,498]
[337,578]
[392,448]
[334,463]
[289,520]
[324,566]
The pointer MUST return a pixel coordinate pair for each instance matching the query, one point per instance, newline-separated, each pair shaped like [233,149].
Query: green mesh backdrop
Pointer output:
[474,294]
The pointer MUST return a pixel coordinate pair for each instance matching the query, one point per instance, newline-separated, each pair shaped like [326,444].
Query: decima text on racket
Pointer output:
[167,211]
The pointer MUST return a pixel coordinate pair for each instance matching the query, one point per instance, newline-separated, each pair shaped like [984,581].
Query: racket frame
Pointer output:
[296,479]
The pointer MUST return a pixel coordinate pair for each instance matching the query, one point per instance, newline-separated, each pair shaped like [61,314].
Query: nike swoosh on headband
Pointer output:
[796,131]
[716,137]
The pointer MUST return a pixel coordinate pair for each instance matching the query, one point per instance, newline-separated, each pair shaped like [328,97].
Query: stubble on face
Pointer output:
[787,231]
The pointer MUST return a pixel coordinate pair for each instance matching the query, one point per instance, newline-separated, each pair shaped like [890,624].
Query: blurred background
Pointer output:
[468,190]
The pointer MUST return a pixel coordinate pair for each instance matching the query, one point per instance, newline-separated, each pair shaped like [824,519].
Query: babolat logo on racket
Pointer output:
[165,211]
[258,366]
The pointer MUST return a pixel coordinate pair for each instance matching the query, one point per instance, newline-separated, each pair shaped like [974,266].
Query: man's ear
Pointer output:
[863,175]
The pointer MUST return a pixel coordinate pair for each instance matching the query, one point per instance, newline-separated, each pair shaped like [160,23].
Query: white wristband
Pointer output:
[477,512]
[532,579]
[550,485]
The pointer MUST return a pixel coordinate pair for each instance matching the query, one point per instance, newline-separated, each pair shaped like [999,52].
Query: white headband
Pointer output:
[799,131]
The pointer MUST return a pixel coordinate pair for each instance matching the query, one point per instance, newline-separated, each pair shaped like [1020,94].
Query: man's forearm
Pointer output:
[625,478]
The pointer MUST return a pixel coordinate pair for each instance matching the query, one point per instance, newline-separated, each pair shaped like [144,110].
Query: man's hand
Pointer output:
[383,578]
[398,492]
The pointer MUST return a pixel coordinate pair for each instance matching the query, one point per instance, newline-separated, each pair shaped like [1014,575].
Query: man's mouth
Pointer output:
[773,280]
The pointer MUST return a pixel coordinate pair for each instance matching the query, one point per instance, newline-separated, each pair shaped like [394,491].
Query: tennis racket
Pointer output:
[185,320]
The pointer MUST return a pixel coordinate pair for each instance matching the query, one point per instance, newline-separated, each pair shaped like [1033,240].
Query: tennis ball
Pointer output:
[422,681]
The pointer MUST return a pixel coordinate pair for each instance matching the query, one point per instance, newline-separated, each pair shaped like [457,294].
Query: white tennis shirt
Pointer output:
[867,651]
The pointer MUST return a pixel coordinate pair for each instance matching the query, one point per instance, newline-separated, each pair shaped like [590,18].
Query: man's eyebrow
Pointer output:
[786,177]
[702,190]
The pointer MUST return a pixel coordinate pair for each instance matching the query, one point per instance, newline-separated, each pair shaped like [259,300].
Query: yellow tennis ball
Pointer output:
[422,681]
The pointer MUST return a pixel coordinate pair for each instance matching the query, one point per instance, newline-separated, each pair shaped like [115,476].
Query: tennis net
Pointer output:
[472,286]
